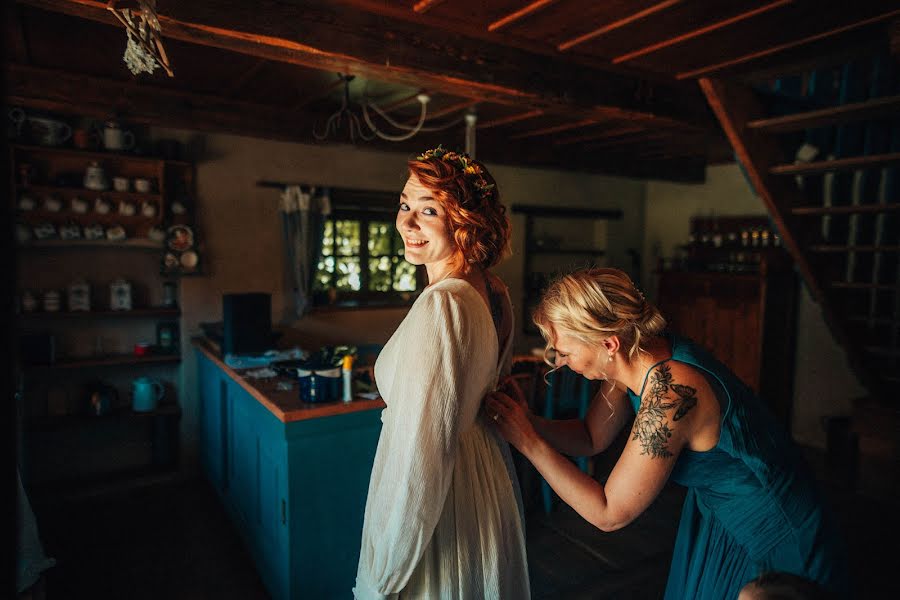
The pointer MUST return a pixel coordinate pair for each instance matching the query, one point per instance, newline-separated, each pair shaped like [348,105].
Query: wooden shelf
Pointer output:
[103,314]
[838,164]
[877,108]
[591,251]
[825,248]
[52,422]
[55,189]
[850,209]
[132,244]
[550,212]
[112,360]
[94,155]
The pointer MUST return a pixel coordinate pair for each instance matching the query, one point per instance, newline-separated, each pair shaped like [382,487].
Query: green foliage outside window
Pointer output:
[348,244]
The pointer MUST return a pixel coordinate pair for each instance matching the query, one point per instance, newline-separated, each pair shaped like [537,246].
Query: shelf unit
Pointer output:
[546,255]
[61,442]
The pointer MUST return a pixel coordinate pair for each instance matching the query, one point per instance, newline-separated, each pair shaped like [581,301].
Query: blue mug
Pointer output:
[146,394]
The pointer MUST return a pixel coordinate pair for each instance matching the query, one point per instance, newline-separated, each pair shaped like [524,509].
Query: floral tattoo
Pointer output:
[650,425]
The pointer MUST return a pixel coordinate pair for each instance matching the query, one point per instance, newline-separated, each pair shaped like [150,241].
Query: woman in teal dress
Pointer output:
[751,505]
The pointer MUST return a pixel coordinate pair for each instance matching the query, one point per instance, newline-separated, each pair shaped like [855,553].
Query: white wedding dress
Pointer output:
[444,514]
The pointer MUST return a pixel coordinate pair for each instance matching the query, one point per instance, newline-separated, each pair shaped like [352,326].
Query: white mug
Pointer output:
[114,138]
[126,209]
[120,184]
[148,209]
[142,185]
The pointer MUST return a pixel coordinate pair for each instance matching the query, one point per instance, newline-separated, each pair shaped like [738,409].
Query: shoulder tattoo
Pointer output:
[650,425]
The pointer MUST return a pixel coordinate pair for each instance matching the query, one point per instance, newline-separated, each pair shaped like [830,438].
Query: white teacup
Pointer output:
[142,185]
[78,205]
[120,184]
[101,206]
[148,209]
[127,209]
[52,204]
[27,203]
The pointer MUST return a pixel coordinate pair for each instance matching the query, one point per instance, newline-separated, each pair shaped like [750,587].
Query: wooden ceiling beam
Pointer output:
[713,68]
[242,79]
[552,130]
[700,31]
[322,92]
[447,110]
[616,24]
[520,14]
[598,135]
[423,6]
[327,36]
[97,97]
[510,119]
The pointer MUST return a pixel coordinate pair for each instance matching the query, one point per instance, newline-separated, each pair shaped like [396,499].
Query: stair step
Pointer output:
[874,320]
[857,285]
[837,164]
[877,108]
[844,210]
[883,351]
[843,249]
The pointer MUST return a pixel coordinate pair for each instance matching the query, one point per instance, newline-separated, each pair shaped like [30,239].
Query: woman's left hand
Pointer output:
[511,419]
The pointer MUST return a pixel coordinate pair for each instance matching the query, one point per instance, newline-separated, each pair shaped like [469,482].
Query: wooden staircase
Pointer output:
[822,150]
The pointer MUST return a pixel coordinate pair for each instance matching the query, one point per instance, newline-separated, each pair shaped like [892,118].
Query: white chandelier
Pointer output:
[345,119]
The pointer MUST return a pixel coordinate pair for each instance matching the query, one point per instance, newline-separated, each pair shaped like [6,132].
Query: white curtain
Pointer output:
[303,215]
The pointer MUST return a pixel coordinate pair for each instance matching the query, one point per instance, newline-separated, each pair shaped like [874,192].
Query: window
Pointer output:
[361,262]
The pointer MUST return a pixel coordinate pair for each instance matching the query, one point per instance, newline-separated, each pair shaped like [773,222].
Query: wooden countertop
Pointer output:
[285,405]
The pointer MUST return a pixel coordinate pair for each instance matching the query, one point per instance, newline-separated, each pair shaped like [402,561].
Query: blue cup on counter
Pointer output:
[320,385]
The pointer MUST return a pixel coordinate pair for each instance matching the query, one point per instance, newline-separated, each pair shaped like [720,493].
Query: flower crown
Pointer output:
[465,164]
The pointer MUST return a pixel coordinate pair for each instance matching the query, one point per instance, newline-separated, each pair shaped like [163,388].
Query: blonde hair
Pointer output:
[595,303]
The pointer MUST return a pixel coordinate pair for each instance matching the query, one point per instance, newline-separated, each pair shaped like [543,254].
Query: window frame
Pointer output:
[364,207]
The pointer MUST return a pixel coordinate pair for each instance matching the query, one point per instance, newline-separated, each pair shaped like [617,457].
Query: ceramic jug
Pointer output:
[146,393]
[95,177]
[115,138]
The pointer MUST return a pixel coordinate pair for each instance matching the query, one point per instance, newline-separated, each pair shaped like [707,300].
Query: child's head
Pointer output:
[783,586]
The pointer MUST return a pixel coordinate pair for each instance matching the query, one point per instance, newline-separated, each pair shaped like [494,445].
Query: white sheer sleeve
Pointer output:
[418,445]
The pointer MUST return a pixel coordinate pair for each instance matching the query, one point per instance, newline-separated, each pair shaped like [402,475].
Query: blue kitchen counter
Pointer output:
[293,476]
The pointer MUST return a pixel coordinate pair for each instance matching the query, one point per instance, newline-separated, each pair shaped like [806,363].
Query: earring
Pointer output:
[609,360]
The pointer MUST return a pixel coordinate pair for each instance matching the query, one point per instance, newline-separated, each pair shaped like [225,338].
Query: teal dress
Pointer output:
[752,503]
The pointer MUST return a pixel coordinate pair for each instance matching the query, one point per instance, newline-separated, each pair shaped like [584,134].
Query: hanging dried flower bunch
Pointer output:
[144,51]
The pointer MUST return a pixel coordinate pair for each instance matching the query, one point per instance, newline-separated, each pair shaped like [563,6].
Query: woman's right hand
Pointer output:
[512,418]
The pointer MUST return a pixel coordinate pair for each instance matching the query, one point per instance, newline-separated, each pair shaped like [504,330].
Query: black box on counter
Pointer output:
[246,323]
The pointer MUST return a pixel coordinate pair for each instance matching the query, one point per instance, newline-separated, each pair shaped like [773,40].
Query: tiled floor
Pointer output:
[174,542]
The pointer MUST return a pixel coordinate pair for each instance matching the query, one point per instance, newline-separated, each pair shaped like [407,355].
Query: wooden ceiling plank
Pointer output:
[447,110]
[523,12]
[242,79]
[423,6]
[320,93]
[700,31]
[706,70]
[97,97]
[598,135]
[616,24]
[555,129]
[510,119]
[876,108]
[329,37]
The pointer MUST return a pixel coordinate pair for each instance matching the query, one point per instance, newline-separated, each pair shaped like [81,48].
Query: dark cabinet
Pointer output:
[747,320]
